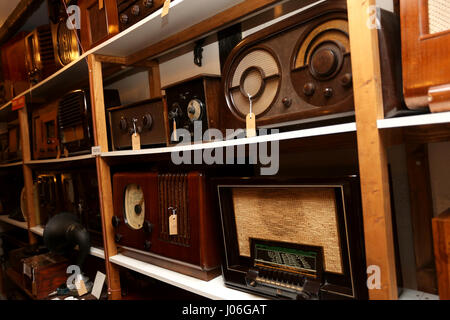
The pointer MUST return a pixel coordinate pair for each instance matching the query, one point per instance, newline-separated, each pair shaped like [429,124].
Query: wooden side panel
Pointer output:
[371,148]
[441,233]
[154,81]
[103,174]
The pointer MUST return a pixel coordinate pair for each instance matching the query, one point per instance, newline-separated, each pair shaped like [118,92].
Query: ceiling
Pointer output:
[6,7]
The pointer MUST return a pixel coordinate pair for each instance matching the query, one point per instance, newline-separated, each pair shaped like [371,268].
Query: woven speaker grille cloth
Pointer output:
[439,15]
[260,104]
[296,215]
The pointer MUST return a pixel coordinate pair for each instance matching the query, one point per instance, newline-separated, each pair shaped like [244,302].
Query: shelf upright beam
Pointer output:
[372,149]
[27,171]
[104,174]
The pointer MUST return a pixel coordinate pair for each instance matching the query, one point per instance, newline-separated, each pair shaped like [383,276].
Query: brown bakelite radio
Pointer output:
[99,21]
[299,70]
[165,219]
[132,11]
[193,102]
[39,54]
[293,238]
[145,118]
[65,41]
[45,131]
[426,62]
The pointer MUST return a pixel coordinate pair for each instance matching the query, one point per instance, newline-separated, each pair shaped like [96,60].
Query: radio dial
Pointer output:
[328,92]
[123,124]
[123,18]
[147,3]
[147,121]
[195,109]
[346,80]
[135,10]
[324,62]
[309,89]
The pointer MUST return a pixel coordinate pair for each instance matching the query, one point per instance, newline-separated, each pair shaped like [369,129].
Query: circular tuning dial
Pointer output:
[134,206]
[195,110]
[324,62]
[147,121]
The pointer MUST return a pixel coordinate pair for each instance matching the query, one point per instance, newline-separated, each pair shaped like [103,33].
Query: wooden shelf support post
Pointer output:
[371,147]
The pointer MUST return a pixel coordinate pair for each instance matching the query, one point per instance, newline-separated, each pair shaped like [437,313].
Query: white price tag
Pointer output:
[96,151]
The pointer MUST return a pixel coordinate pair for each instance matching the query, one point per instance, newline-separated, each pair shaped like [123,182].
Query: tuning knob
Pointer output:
[328,92]
[123,18]
[147,3]
[115,221]
[147,245]
[118,238]
[135,10]
[324,62]
[309,89]
[147,121]
[123,124]
[346,80]
[175,112]
[148,227]
[138,209]
[286,102]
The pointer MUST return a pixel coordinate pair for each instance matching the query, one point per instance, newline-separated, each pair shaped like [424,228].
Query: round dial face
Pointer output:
[195,109]
[67,44]
[134,206]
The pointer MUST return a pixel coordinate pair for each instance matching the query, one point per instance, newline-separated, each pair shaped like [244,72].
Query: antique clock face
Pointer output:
[195,109]
[134,204]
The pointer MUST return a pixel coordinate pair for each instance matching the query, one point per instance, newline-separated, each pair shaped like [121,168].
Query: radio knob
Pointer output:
[328,92]
[118,238]
[324,62]
[191,110]
[148,227]
[346,80]
[123,124]
[147,245]
[135,10]
[147,121]
[309,89]
[287,102]
[123,18]
[147,3]
[138,209]
[115,221]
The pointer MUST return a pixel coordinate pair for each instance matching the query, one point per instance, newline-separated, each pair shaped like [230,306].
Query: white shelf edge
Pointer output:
[305,133]
[61,160]
[12,164]
[23,225]
[423,119]
[214,289]
[409,294]
[38,230]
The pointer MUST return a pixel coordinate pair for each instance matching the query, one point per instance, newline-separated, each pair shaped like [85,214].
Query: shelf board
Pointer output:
[298,134]
[23,225]
[61,160]
[38,230]
[12,164]
[214,289]
[409,294]
[417,120]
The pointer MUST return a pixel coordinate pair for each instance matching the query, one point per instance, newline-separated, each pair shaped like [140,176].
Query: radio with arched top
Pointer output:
[300,70]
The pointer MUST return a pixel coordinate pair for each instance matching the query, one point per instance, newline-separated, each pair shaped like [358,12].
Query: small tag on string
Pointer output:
[165,10]
[251,120]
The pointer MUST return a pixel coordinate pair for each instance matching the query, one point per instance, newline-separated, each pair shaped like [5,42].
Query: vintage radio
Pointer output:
[293,238]
[14,142]
[193,101]
[441,235]
[299,70]
[99,22]
[80,196]
[45,131]
[14,66]
[75,120]
[426,68]
[145,118]
[44,273]
[65,41]
[132,11]
[165,219]
[40,57]
[48,188]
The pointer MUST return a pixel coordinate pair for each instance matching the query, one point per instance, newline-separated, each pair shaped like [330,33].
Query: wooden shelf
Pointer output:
[417,120]
[19,224]
[409,294]
[12,164]
[59,161]
[214,289]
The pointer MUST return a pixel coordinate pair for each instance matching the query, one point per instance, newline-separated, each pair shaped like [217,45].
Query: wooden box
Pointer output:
[441,234]
[45,131]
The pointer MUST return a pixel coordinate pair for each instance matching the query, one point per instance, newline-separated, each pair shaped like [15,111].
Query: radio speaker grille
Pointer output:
[438,15]
[289,214]
[173,191]
[71,110]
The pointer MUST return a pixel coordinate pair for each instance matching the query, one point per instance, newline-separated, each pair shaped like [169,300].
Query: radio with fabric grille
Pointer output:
[132,11]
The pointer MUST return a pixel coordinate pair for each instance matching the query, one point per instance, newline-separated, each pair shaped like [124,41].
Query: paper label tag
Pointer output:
[165,9]
[27,270]
[175,137]
[251,125]
[173,225]
[18,103]
[100,4]
[96,151]
[81,287]
[136,141]
[98,284]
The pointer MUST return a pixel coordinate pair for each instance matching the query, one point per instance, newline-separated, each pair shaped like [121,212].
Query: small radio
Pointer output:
[98,23]
[425,28]
[48,188]
[40,58]
[165,219]
[145,118]
[132,11]
[65,41]
[293,238]
[45,131]
[299,70]
[14,143]
[194,101]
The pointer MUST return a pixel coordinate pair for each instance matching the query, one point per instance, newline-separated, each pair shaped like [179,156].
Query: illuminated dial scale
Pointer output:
[134,206]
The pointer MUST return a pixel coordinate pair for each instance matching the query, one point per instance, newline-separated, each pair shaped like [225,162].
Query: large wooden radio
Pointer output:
[299,70]
[45,131]
[293,238]
[193,101]
[99,22]
[65,41]
[132,11]
[39,54]
[145,118]
[426,64]
[165,219]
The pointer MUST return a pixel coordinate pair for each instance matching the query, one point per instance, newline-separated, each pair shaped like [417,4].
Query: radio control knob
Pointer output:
[147,121]
[115,221]
[328,92]
[148,227]
[123,124]
[324,62]
[191,110]
[118,238]
[123,18]
[147,245]
[147,3]
[135,10]
[309,89]
[287,102]
[138,209]
[346,80]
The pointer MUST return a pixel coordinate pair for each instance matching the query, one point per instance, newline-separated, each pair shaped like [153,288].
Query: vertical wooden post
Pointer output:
[371,147]
[27,171]
[154,81]
[103,174]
